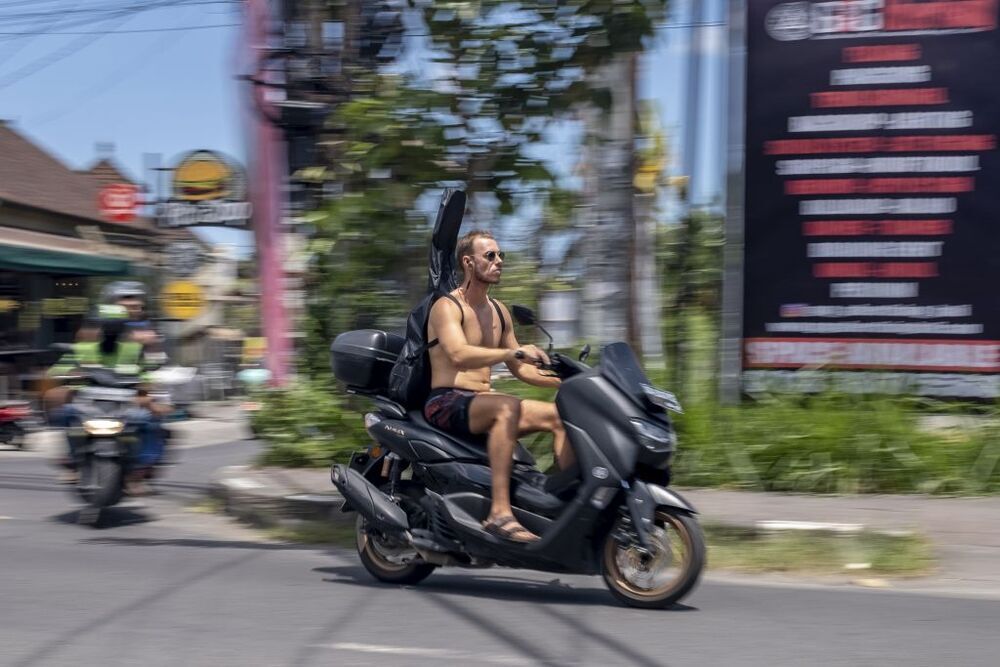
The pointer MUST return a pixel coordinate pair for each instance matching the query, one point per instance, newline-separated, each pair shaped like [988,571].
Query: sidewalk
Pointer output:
[211,423]
[965,532]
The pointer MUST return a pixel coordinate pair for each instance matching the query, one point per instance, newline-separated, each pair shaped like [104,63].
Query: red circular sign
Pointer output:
[118,201]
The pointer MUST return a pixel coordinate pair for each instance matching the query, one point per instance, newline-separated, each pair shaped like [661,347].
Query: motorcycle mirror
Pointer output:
[585,352]
[523,314]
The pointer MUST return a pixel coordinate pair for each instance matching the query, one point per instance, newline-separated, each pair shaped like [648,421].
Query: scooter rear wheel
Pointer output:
[387,559]
[662,578]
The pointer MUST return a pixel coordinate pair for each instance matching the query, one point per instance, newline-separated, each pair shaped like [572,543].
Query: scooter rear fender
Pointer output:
[370,469]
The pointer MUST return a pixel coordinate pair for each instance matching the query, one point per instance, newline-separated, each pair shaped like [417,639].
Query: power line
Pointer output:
[110,9]
[85,39]
[33,3]
[77,21]
[15,46]
[125,32]
[53,57]
[155,50]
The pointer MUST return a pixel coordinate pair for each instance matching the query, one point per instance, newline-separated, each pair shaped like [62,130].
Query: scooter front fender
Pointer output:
[107,448]
[664,497]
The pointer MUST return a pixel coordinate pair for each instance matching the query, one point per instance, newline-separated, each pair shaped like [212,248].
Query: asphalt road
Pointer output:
[164,585]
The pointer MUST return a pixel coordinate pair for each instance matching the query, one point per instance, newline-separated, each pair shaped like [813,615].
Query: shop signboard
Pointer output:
[182,300]
[872,253]
[118,202]
[207,188]
[183,258]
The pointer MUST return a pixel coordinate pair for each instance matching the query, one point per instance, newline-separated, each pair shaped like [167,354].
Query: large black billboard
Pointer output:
[872,197]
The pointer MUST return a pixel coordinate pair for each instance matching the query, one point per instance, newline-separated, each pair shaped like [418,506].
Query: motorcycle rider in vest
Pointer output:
[115,350]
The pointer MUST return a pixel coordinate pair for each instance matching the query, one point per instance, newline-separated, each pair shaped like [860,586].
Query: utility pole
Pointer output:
[608,292]
[647,306]
[267,172]
[693,101]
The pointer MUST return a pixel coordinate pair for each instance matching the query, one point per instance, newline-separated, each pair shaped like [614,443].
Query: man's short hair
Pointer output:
[465,244]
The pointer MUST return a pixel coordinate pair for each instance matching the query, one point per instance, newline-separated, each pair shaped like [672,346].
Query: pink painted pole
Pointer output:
[267,175]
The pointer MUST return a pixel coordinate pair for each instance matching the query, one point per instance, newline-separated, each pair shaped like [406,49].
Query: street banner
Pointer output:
[872,205]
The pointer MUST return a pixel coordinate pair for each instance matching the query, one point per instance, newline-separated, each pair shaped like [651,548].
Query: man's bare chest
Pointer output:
[481,326]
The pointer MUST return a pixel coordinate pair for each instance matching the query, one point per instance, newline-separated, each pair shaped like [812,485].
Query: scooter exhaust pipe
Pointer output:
[365,498]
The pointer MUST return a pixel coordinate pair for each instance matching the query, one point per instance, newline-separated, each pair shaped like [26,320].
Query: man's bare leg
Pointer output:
[542,416]
[498,416]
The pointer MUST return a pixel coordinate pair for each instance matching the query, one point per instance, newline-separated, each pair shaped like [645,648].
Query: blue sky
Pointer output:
[170,92]
[665,81]
[156,92]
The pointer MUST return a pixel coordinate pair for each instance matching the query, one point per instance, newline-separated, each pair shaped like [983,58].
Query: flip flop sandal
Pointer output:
[507,528]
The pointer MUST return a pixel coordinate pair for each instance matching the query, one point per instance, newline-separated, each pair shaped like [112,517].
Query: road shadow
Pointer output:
[110,517]
[511,588]
[195,543]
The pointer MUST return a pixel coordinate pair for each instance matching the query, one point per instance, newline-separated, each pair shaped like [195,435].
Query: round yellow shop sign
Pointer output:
[182,300]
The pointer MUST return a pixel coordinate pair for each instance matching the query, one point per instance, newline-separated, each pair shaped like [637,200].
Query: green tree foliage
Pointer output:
[500,74]
[690,259]
[369,249]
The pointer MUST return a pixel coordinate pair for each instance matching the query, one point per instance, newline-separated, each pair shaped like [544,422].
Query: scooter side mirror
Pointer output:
[526,316]
[523,314]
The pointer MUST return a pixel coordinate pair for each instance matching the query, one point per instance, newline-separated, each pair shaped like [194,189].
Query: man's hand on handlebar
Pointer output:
[530,354]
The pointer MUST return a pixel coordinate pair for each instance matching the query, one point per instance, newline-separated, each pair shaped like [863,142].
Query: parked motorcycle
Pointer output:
[421,494]
[16,421]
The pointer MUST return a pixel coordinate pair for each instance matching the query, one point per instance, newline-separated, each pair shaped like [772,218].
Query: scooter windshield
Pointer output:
[621,368]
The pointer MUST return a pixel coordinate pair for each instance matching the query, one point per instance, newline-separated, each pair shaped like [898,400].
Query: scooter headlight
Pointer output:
[103,427]
[664,399]
[654,438]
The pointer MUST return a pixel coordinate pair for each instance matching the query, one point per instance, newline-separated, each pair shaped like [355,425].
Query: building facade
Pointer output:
[56,252]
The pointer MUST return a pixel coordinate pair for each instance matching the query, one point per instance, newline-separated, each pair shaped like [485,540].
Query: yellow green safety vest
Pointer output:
[126,359]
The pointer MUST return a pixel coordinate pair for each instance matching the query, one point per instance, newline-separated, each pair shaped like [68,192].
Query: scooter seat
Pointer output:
[462,448]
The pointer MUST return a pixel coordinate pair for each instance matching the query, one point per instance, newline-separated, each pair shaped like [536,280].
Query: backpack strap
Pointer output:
[461,312]
[460,309]
[503,320]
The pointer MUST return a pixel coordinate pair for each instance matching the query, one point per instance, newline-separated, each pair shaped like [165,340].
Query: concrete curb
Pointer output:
[254,497]
[962,531]
[261,498]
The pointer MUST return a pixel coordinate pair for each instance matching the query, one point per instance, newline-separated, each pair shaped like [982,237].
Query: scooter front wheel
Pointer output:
[662,576]
[101,482]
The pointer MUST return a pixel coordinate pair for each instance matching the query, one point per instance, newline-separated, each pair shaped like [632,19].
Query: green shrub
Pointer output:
[308,424]
[832,444]
[819,444]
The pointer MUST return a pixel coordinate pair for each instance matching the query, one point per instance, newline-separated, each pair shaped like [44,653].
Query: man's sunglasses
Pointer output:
[493,254]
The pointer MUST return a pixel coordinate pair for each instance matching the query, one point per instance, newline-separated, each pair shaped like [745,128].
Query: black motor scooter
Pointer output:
[105,442]
[421,494]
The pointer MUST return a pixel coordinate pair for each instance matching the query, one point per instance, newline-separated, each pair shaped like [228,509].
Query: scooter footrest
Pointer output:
[424,539]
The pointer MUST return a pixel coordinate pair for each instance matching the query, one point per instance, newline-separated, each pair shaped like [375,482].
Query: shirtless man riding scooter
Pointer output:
[475,333]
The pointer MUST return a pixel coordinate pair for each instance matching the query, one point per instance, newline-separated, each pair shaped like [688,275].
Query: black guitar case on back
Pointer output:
[410,380]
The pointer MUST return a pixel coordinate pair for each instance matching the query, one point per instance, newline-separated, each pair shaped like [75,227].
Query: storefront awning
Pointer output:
[18,258]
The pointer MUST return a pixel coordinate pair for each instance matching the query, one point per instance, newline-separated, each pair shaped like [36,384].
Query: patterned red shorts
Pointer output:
[448,409]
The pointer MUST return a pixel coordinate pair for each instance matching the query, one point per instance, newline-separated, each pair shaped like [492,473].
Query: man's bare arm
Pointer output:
[447,320]
[523,371]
